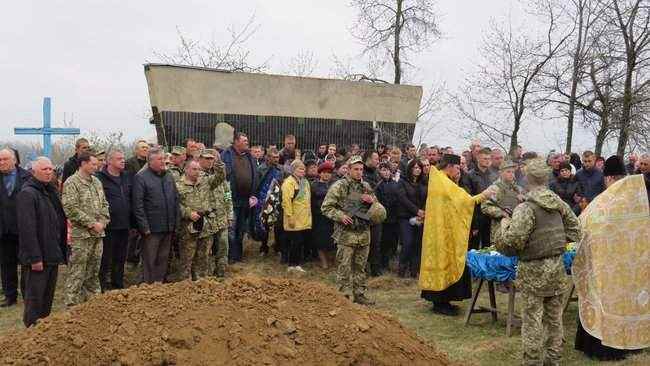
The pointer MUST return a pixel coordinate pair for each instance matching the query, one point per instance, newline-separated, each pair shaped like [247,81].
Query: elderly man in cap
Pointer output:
[197,213]
[177,162]
[351,233]
[507,196]
[537,233]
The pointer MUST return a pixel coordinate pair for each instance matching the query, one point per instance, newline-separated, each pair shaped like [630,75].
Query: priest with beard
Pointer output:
[444,276]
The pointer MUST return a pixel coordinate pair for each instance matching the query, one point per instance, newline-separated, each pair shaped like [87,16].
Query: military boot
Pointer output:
[363,300]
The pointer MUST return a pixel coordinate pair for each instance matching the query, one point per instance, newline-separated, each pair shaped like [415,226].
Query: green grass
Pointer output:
[480,343]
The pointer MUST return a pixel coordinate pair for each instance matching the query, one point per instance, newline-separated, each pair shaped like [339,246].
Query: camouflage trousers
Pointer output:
[351,273]
[220,252]
[82,280]
[541,329]
[194,256]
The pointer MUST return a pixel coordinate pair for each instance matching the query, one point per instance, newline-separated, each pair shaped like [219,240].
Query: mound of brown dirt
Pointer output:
[243,321]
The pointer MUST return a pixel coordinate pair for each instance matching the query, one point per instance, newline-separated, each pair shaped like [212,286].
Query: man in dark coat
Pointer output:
[42,234]
[157,214]
[117,189]
[479,179]
[241,172]
[591,179]
[70,167]
[133,166]
[12,179]
[387,194]
[139,158]
[371,176]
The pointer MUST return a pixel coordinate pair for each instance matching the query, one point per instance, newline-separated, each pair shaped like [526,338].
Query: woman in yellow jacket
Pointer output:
[296,204]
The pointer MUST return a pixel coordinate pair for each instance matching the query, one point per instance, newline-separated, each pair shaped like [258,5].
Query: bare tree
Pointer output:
[435,100]
[303,63]
[631,19]
[231,55]
[347,69]
[570,67]
[496,99]
[394,29]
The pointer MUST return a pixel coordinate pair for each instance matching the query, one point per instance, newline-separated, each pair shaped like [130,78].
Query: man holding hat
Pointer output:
[177,162]
[537,233]
[507,197]
[195,191]
[344,205]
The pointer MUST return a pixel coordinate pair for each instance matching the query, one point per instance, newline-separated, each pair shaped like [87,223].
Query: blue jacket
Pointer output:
[227,157]
[592,181]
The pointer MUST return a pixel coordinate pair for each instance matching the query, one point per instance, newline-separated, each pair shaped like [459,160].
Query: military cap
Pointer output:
[508,164]
[178,150]
[96,151]
[537,168]
[208,153]
[356,159]
[377,213]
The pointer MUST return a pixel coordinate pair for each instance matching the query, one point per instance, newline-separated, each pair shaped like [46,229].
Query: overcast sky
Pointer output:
[88,55]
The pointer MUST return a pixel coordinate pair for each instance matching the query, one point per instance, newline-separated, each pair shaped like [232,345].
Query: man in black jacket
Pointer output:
[117,189]
[139,158]
[479,179]
[12,178]
[42,234]
[133,166]
[156,210]
[242,174]
[386,193]
[371,176]
[70,167]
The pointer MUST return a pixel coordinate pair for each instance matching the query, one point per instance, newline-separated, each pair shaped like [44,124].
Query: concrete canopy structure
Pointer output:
[190,101]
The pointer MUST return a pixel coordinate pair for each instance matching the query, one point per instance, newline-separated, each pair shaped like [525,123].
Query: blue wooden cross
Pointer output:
[47,131]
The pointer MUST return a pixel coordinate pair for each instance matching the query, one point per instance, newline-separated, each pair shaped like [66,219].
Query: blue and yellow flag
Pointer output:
[447,223]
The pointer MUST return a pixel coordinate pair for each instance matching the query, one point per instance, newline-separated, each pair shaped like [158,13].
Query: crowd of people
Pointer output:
[183,214]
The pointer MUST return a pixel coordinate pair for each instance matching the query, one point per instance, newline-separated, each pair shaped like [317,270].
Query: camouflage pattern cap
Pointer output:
[208,153]
[178,150]
[356,159]
[508,164]
[96,151]
[537,168]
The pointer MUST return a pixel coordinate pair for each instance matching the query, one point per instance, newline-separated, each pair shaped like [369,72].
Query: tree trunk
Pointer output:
[601,136]
[514,137]
[626,112]
[396,52]
[574,80]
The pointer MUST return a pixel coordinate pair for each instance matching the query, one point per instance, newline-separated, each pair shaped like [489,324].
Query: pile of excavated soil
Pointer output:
[243,321]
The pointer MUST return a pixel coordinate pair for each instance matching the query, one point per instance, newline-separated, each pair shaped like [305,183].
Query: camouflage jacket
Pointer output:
[84,204]
[542,277]
[176,172]
[337,204]
[198,197]
[506,198]
[222,205]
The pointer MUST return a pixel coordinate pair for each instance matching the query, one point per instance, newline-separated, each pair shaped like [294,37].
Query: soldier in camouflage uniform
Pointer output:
[508,195]
[197,216]
[86,207]
[223,212]
[537,233]
[351,230]
[221,221]
[177,162]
